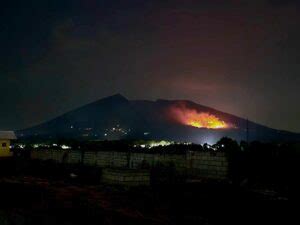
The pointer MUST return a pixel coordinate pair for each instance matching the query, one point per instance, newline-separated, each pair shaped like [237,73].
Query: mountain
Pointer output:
[116,117]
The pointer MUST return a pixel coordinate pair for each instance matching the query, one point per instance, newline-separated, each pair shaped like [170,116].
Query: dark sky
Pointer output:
[240,57]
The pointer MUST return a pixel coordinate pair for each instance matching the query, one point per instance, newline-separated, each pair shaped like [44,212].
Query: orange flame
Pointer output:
[204,120]
[197,119]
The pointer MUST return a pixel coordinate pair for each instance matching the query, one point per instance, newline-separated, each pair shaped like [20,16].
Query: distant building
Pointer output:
[5,139]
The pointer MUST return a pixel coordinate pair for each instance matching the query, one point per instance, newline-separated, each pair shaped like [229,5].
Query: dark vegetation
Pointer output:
[120,145]
[45,192]
[259,165]
[264,165]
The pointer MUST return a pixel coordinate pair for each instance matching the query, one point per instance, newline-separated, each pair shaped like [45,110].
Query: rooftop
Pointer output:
[7,135]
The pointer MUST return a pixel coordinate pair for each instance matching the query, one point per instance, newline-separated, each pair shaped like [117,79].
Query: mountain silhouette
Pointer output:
[116,117]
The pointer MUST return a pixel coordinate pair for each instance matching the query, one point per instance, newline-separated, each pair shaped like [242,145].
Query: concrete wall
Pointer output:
[55,155]
[208,164]
[126,177]
[195,164]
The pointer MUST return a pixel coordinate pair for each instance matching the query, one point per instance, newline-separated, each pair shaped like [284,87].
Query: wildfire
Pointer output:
[204,120]
[197,119]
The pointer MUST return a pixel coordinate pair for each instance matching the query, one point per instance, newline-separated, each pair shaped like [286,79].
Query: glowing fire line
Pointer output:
[205,120]
[197,119]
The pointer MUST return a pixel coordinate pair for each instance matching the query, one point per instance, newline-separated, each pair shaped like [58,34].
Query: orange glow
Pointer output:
[197,119]
[204,120]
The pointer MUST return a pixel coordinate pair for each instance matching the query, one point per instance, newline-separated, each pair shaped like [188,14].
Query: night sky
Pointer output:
[241,57]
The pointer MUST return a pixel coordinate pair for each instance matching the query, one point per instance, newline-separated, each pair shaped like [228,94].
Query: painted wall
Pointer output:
[5,148]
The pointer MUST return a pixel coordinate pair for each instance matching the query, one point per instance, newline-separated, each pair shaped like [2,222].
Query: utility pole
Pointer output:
[247,131]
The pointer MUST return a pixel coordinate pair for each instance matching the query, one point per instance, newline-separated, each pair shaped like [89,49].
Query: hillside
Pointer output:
[116,117]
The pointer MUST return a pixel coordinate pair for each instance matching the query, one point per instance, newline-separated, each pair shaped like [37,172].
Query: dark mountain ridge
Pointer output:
[116,117]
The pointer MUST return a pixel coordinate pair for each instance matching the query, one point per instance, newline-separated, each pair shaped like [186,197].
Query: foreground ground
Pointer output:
[31,200]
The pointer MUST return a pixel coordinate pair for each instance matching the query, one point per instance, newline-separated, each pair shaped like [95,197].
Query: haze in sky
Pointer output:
[241,57]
